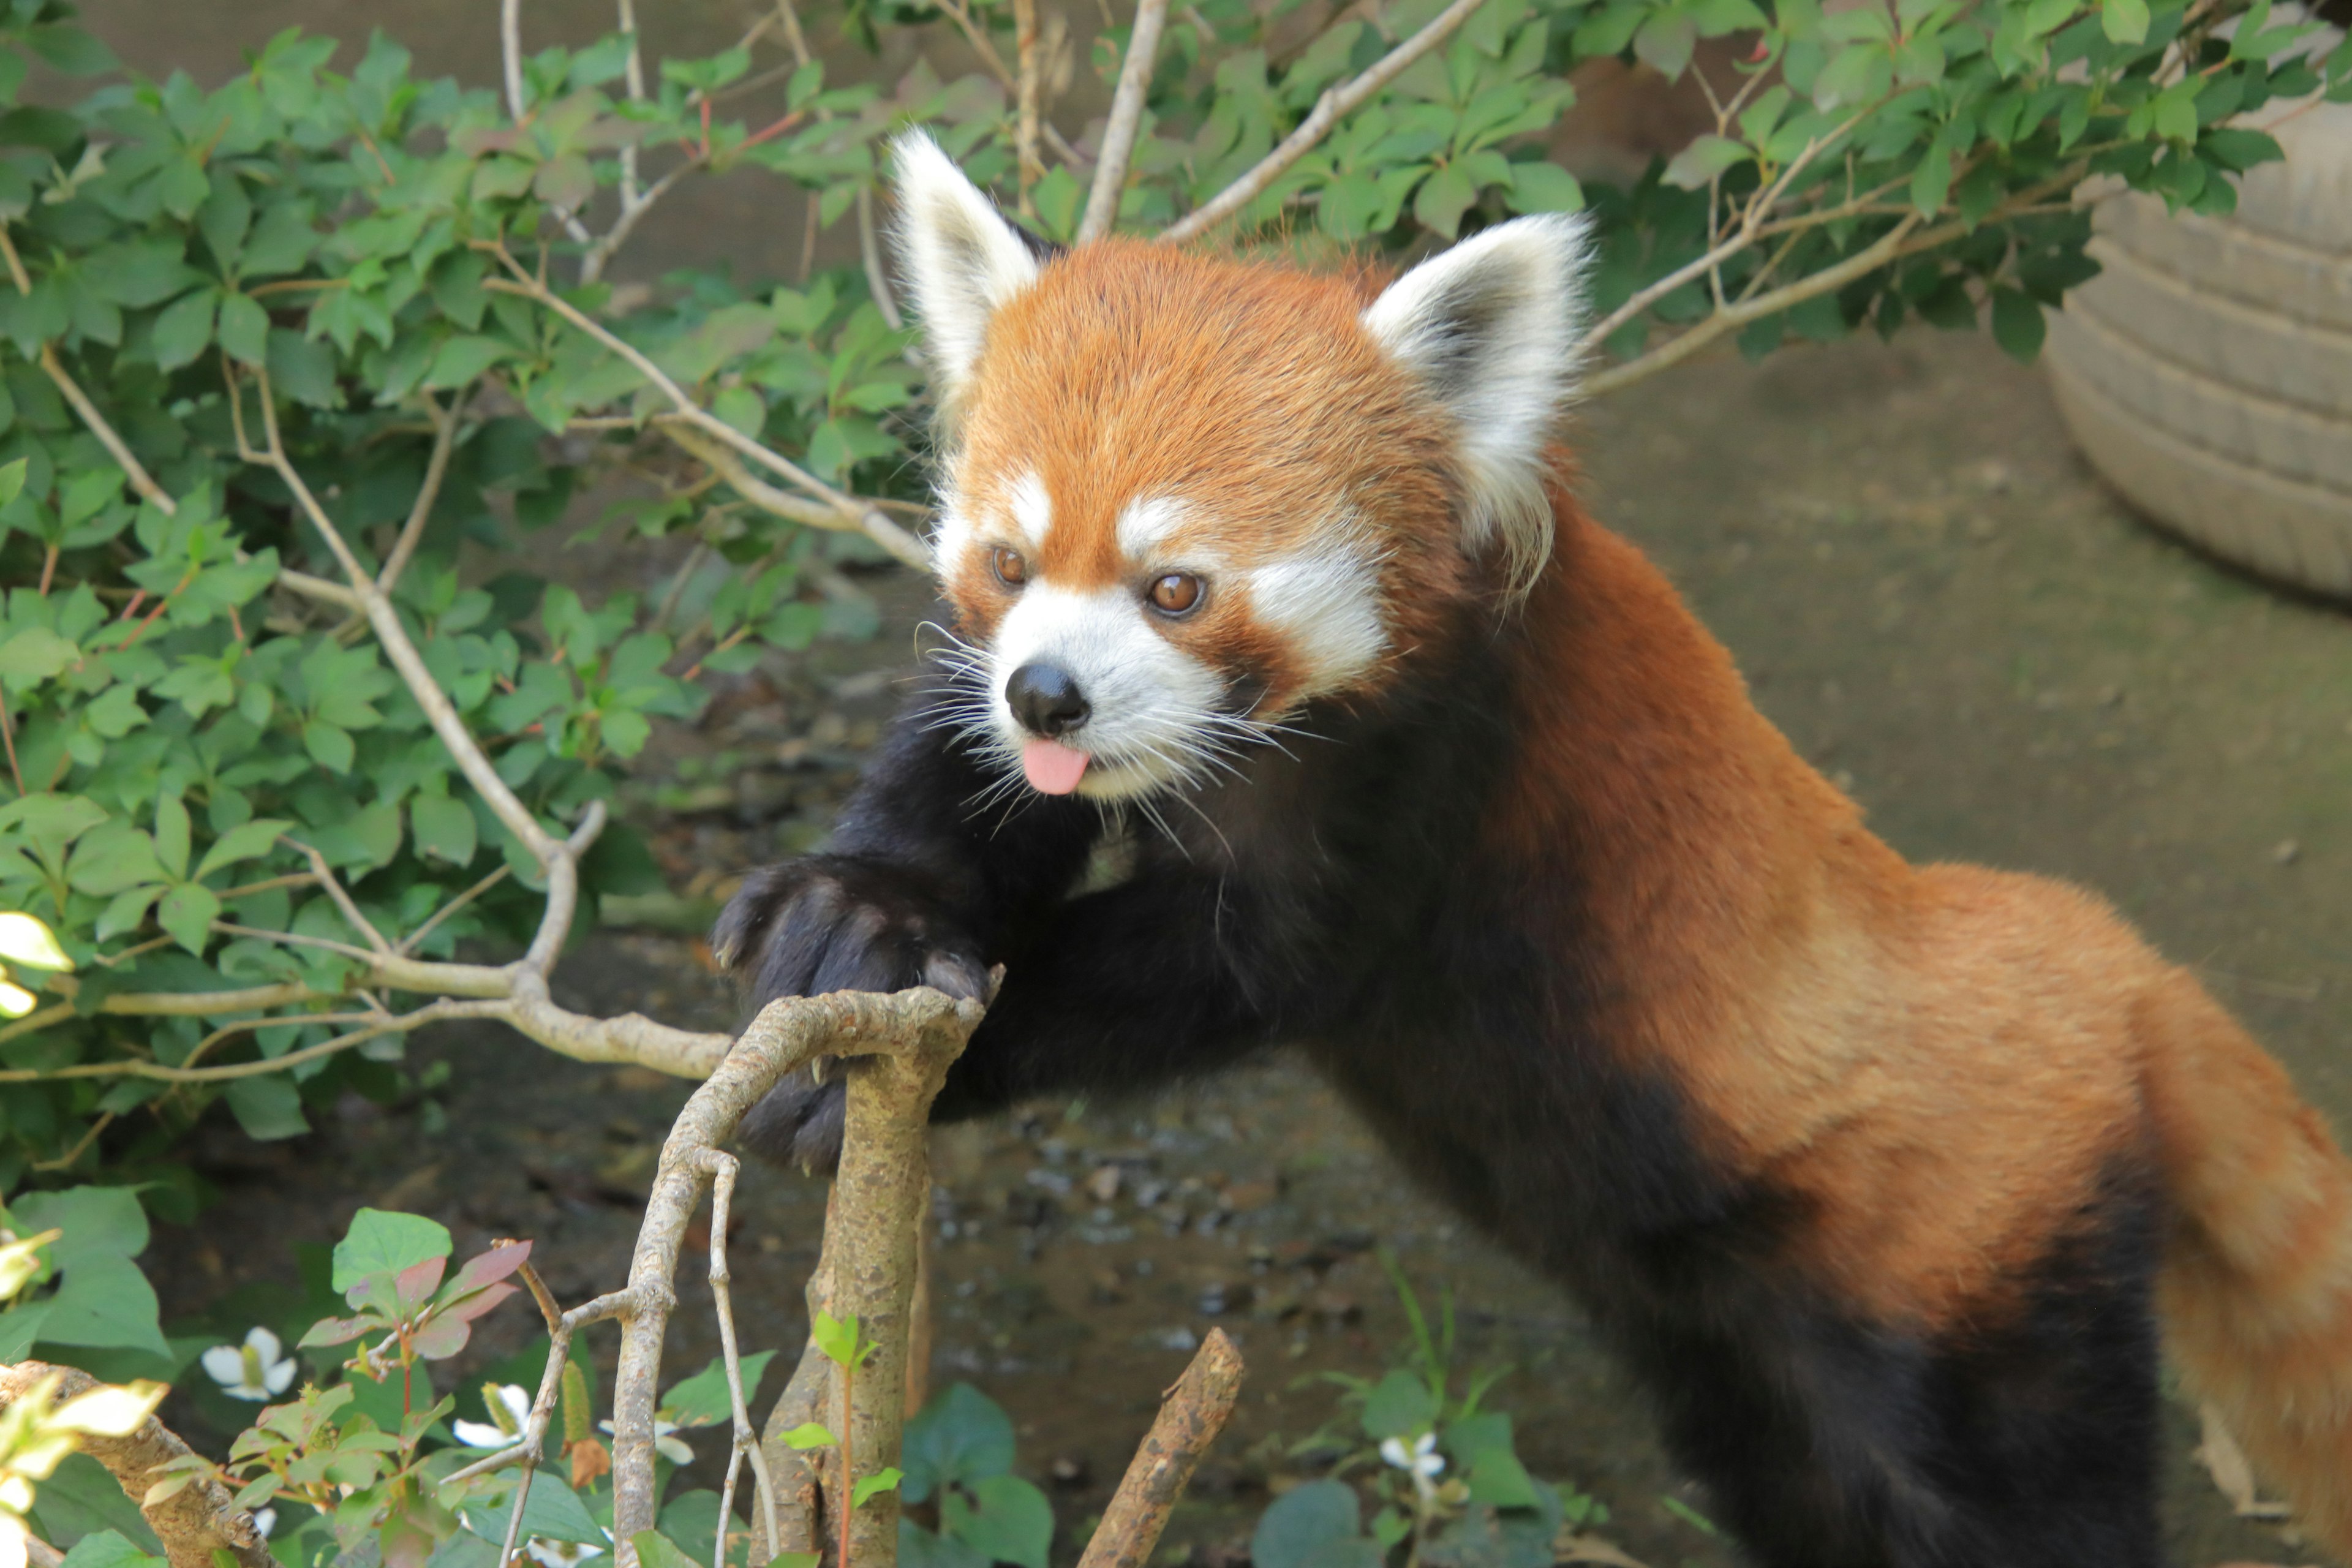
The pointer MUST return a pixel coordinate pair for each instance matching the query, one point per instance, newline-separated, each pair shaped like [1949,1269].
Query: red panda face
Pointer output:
[1181,496]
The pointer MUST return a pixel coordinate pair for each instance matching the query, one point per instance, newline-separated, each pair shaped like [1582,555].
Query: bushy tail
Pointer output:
[2257,1282]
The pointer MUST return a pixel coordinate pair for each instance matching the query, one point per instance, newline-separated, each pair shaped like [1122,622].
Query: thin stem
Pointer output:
[870,251]
[510,50]
[1335,103]
[1029,167]
[408,943]
[794,39]
[633,77]
[436,468]
[343,901]
[1125,117]
[765,496]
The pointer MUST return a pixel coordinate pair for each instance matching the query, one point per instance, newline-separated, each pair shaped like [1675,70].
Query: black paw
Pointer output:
[829,923]
[798,1122]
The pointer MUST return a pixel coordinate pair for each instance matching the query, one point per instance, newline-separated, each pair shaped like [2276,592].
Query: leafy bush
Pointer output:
[295,372]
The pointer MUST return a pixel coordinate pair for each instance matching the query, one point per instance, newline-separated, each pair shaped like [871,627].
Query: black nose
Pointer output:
[1045,699]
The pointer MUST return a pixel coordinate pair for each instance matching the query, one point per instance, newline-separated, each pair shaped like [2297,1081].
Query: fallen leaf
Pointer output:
[1591,1549]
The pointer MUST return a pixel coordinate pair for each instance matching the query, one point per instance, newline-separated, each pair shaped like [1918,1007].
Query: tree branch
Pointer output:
[910,1039]
[194,1523]
[1126,117]
[436,468]
[1329,109]
[1194,1412]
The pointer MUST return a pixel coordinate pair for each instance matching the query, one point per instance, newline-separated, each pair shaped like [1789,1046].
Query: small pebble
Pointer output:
[2287,852]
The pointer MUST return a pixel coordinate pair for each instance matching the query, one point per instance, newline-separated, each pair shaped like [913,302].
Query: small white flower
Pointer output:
[1423,1462]
[561,1553]
[674,1449]
[252,1370]
[265,1519]
[510,1407]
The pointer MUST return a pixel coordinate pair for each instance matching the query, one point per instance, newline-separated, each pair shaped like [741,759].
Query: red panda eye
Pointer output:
[1176,593]
[1010,569]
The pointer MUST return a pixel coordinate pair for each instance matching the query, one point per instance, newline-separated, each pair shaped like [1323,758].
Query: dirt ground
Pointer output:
[1926,589]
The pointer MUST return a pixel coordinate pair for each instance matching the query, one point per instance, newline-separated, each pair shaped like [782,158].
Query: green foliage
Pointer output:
[102,1301]
[376,292]
[959,1450]
[1442,1471]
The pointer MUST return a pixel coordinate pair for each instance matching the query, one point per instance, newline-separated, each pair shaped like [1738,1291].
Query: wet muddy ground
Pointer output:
[1929,593]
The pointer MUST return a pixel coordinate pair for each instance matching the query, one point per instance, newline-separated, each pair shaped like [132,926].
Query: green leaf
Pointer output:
[1931,179]
[74,52]
[303,370]
[1398,1405]
[1702,160]
[837,1338]
[242,843]
[171,833]
[961,1435]
[82,1499]
[108,1550]
[811,1434]
[184,329]
[104,1303]
[1310,1526]
[98,1222]
[187,912]
[381,1242]
[1545,188]
[554,1512]
[444,828]
[655,1549]
[1006,1519]
[888,1480]
[461,360]
[330,745]
[36,653]
[12,479]
[267,1106]
[703,1400]
[2017,324]
[2124,21]
[244,329]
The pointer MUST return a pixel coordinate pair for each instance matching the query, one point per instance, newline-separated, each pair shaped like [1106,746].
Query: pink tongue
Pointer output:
[1052,767]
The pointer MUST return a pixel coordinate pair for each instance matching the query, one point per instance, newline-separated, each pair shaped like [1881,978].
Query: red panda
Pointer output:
[1882,1178]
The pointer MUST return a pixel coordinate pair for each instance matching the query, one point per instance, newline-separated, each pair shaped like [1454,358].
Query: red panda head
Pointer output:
[1180,496]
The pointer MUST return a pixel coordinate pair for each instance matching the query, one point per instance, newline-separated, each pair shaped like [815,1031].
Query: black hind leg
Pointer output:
[2029,1442]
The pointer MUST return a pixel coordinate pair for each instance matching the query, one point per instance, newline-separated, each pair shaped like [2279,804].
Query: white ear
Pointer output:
[961,258]
[1493,329]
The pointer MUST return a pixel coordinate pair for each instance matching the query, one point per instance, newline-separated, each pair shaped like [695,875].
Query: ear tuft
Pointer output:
[1492,329]
[962,260]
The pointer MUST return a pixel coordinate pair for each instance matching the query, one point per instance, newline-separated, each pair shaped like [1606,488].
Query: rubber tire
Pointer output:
[2207,372]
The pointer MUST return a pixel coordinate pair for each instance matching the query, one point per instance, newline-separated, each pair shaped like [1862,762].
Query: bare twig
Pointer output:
[960,12]
[1125,117]
[1194,1412]
[194,1523]
[408,943]
[1335,103]
[510,50]
[900,543]
[869,252]
[1028,167]
[343,901]
[436,468]
[633,77]
[794,39]
[745,1440]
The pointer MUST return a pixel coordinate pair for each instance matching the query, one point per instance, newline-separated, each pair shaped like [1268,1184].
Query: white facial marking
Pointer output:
[1145,524]
[1149,699]
[1032,510]
[1328,606]
[951,532]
